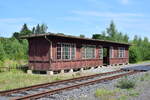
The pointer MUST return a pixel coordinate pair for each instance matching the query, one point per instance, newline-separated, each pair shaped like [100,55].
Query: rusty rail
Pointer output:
[8,92]
[42,94]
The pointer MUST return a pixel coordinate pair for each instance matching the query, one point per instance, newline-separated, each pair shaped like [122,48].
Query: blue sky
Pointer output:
[76,17]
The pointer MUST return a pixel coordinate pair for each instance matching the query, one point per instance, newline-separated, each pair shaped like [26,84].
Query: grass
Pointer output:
[126,83]
[123,97]
[105,94]
[125,88]
[11,64]
[133,93]
[116,94]
[145,77]
[141,62]
[17,79]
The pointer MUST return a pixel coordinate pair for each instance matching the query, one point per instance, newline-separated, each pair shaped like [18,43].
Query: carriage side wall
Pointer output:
[40,57]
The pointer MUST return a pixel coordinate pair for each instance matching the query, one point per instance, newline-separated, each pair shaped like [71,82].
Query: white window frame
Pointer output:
[70,52]
[84,53]
[111,52]
[100,52]
[74,51]
[121,52]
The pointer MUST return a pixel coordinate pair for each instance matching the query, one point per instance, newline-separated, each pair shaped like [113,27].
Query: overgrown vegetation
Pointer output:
[126,83]
[15,49]
[105,94]
[17,78]
[124,89]
[116,94]
[138,52]
[145,77]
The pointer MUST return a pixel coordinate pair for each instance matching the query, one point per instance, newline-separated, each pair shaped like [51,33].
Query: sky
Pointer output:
[75,17]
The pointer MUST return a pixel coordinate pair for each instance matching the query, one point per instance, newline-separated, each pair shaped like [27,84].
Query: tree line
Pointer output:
[39,29]
[139,51]
[14,48]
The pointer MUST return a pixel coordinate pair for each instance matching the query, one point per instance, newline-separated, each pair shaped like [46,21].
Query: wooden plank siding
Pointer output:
[39,54]
[116,59]
[40,49]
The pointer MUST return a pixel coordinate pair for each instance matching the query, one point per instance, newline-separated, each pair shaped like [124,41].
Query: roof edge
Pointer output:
[69,36]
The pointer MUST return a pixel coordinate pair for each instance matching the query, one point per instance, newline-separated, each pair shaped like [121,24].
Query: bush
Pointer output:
[134,55]
[126,83]
[145,77]
[105,94]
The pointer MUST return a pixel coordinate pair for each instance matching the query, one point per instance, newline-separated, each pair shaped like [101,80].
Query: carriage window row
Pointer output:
[66,51]
[121,52]
[88,51]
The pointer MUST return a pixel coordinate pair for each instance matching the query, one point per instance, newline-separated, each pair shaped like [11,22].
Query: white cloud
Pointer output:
[107,14]
[17,20]
[70,18]
[124,1]
[127,22]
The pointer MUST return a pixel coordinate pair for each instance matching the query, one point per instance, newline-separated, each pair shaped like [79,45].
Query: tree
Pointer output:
[16,34]
[82,36]
[25,30]
[99,36]
[111,31]
[139,52]
[135,39]
[134,55]
[126,38]
[43,29]
[33,30]
[112,34]
[37,30]
[2,52]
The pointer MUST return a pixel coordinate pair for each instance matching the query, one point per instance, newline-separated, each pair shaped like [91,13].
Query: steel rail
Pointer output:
[42,94]
[17,90]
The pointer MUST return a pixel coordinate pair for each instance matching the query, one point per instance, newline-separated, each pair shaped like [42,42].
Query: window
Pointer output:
[121,52]
[59,51]
[73,49]
[65,51]
[100,52]
[111,52]
[88,51]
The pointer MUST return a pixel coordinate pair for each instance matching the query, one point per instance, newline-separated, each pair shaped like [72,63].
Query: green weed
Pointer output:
[126,83]
[105,94]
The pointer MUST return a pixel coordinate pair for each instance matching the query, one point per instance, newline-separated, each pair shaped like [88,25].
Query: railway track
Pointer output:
[42,90]
[8,92]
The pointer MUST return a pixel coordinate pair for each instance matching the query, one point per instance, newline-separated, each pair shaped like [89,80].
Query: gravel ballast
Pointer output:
[88,92]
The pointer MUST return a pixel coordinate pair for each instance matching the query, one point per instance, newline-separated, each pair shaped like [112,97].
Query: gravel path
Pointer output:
[88,92]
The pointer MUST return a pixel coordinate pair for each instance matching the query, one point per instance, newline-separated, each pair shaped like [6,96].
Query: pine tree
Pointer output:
[43,28]
[25,30]
[16,34]
[126,38]
[135,39]
[37,30]
[111,31]
[33,30]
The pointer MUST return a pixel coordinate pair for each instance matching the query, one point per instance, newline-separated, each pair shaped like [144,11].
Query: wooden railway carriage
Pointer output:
[53,52]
